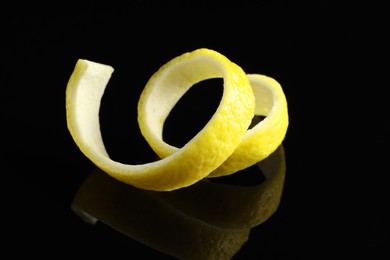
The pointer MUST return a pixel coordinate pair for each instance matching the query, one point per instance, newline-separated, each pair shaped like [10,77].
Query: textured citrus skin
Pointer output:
[264,138]
[201,155]
[258,142]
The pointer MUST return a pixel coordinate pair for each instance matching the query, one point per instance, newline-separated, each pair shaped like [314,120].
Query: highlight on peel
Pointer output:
[203,154]
[257,143]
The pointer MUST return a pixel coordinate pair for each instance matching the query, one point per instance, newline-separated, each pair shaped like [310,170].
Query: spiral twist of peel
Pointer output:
[224,145]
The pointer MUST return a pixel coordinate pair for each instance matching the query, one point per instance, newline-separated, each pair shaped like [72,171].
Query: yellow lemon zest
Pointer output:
[258,142]
[203,154]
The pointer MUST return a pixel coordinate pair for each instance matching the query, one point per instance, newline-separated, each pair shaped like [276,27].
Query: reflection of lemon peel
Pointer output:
[222,147]
[141,217]
[204,221]
[231,206]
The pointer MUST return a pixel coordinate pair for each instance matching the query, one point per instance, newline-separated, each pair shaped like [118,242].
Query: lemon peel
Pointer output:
[258,142]
[201,155]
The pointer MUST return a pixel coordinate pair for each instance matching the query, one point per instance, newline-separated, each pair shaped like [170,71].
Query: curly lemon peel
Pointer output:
[201,155]
[258,142]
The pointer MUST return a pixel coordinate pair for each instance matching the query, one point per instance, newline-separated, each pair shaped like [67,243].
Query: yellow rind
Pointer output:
[201,155]
[258,142]
[265,137]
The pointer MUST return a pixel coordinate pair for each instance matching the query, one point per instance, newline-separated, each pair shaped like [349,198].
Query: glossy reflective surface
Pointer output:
[205,221]
[335,195]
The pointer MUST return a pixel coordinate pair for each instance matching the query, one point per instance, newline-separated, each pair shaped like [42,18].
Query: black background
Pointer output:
[331,60]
